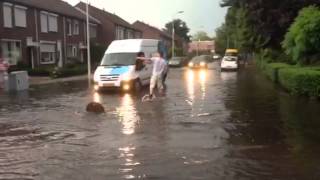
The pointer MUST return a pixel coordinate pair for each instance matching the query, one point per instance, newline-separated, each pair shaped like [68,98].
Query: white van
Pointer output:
[119,68]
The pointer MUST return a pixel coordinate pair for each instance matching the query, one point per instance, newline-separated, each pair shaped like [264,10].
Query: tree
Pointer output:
[180,28]
[202,36]
[302,42]
[267,20]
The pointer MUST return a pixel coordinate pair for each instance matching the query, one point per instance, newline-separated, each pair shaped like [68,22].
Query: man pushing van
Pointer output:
[159,68]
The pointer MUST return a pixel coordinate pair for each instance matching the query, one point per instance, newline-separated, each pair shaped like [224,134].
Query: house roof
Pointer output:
[103,15]
[55,6]
[163,33]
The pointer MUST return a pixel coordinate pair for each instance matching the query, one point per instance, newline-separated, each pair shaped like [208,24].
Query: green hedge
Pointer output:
[69,71]
[39,71]
[300,81]
[272,70]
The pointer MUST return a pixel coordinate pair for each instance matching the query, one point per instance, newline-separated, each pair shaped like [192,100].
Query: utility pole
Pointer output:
[173,32]
[88,45]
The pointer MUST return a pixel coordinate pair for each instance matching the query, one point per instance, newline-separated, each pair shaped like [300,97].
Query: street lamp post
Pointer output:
[201,27]
[88,44]
[173,32]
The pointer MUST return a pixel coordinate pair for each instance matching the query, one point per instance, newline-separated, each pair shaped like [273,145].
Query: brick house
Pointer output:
[201,46]
[151,32]
[112,26]
[42,32]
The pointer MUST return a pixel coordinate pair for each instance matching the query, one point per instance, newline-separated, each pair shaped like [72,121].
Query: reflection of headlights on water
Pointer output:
[96,98]
[202,64]
[190,64]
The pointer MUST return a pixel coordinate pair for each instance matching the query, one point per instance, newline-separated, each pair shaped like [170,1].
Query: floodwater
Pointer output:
[211,125]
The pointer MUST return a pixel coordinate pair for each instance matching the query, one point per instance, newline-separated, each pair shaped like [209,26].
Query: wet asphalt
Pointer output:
[210,125]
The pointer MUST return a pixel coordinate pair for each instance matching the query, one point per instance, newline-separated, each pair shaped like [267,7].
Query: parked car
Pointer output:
[229,63]
[216,57]
[199,62]
[178,61]
[208,58]
[120,68]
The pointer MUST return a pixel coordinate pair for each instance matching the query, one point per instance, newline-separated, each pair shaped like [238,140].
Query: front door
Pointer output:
[30,57]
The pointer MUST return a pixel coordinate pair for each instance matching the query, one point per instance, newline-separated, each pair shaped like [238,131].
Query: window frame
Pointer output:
[76,27]
[5,22]
[50,29]
[73,49]
[52,55]
[19,58]
[69,27]
[44,16]
[24,9]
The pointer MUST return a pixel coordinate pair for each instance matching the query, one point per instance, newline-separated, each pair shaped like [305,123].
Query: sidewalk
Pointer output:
[33,80]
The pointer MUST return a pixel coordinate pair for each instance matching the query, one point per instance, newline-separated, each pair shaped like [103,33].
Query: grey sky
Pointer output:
[205,15]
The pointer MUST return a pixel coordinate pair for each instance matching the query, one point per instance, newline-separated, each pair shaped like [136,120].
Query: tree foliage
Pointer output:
[201,35]
[180,28]
[302,42]
[252,25]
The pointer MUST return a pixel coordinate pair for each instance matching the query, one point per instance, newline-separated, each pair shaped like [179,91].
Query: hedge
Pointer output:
[69,71]
[272,70]
[300,81]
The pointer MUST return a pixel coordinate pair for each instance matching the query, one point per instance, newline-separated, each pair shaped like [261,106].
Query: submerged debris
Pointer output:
[95,107]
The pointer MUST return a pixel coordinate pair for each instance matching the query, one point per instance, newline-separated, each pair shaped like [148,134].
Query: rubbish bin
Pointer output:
[17,81]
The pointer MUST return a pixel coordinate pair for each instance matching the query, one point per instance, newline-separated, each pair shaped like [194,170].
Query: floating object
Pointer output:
[95,107]
[148,98]
[17,81]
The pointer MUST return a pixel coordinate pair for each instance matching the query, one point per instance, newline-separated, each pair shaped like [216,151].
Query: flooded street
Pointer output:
[210,125]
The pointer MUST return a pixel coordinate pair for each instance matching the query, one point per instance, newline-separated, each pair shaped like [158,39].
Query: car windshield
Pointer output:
[176,59]
[119,59]
[231,54]
[230,59]
[199,59]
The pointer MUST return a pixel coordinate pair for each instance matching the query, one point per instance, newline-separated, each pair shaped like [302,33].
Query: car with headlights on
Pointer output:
[177,61]
[199,62]
[229,63]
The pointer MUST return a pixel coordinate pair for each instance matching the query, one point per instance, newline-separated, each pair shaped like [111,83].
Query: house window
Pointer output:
[130,34]
[11,51]
[7,15]
[20,16]
[69,27]
[44,22]
[48,53]
[138,35]
[72,51]
[53,22]
[93,31]
[119,33]
[75,27]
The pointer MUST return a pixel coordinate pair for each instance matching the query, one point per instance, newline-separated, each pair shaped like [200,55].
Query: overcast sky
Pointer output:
[205,15]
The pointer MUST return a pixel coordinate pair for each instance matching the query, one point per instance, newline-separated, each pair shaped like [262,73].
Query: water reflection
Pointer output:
[190,85]
[192,80]
[127,153]
[96,97]
[203,79]
[128,115]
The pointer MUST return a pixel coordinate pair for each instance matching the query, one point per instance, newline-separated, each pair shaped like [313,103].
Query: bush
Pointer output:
[69,71]
[300,81]
[302,42]
[40,71]
[272,70]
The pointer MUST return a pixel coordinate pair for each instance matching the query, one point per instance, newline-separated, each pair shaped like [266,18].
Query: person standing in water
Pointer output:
[159,67]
